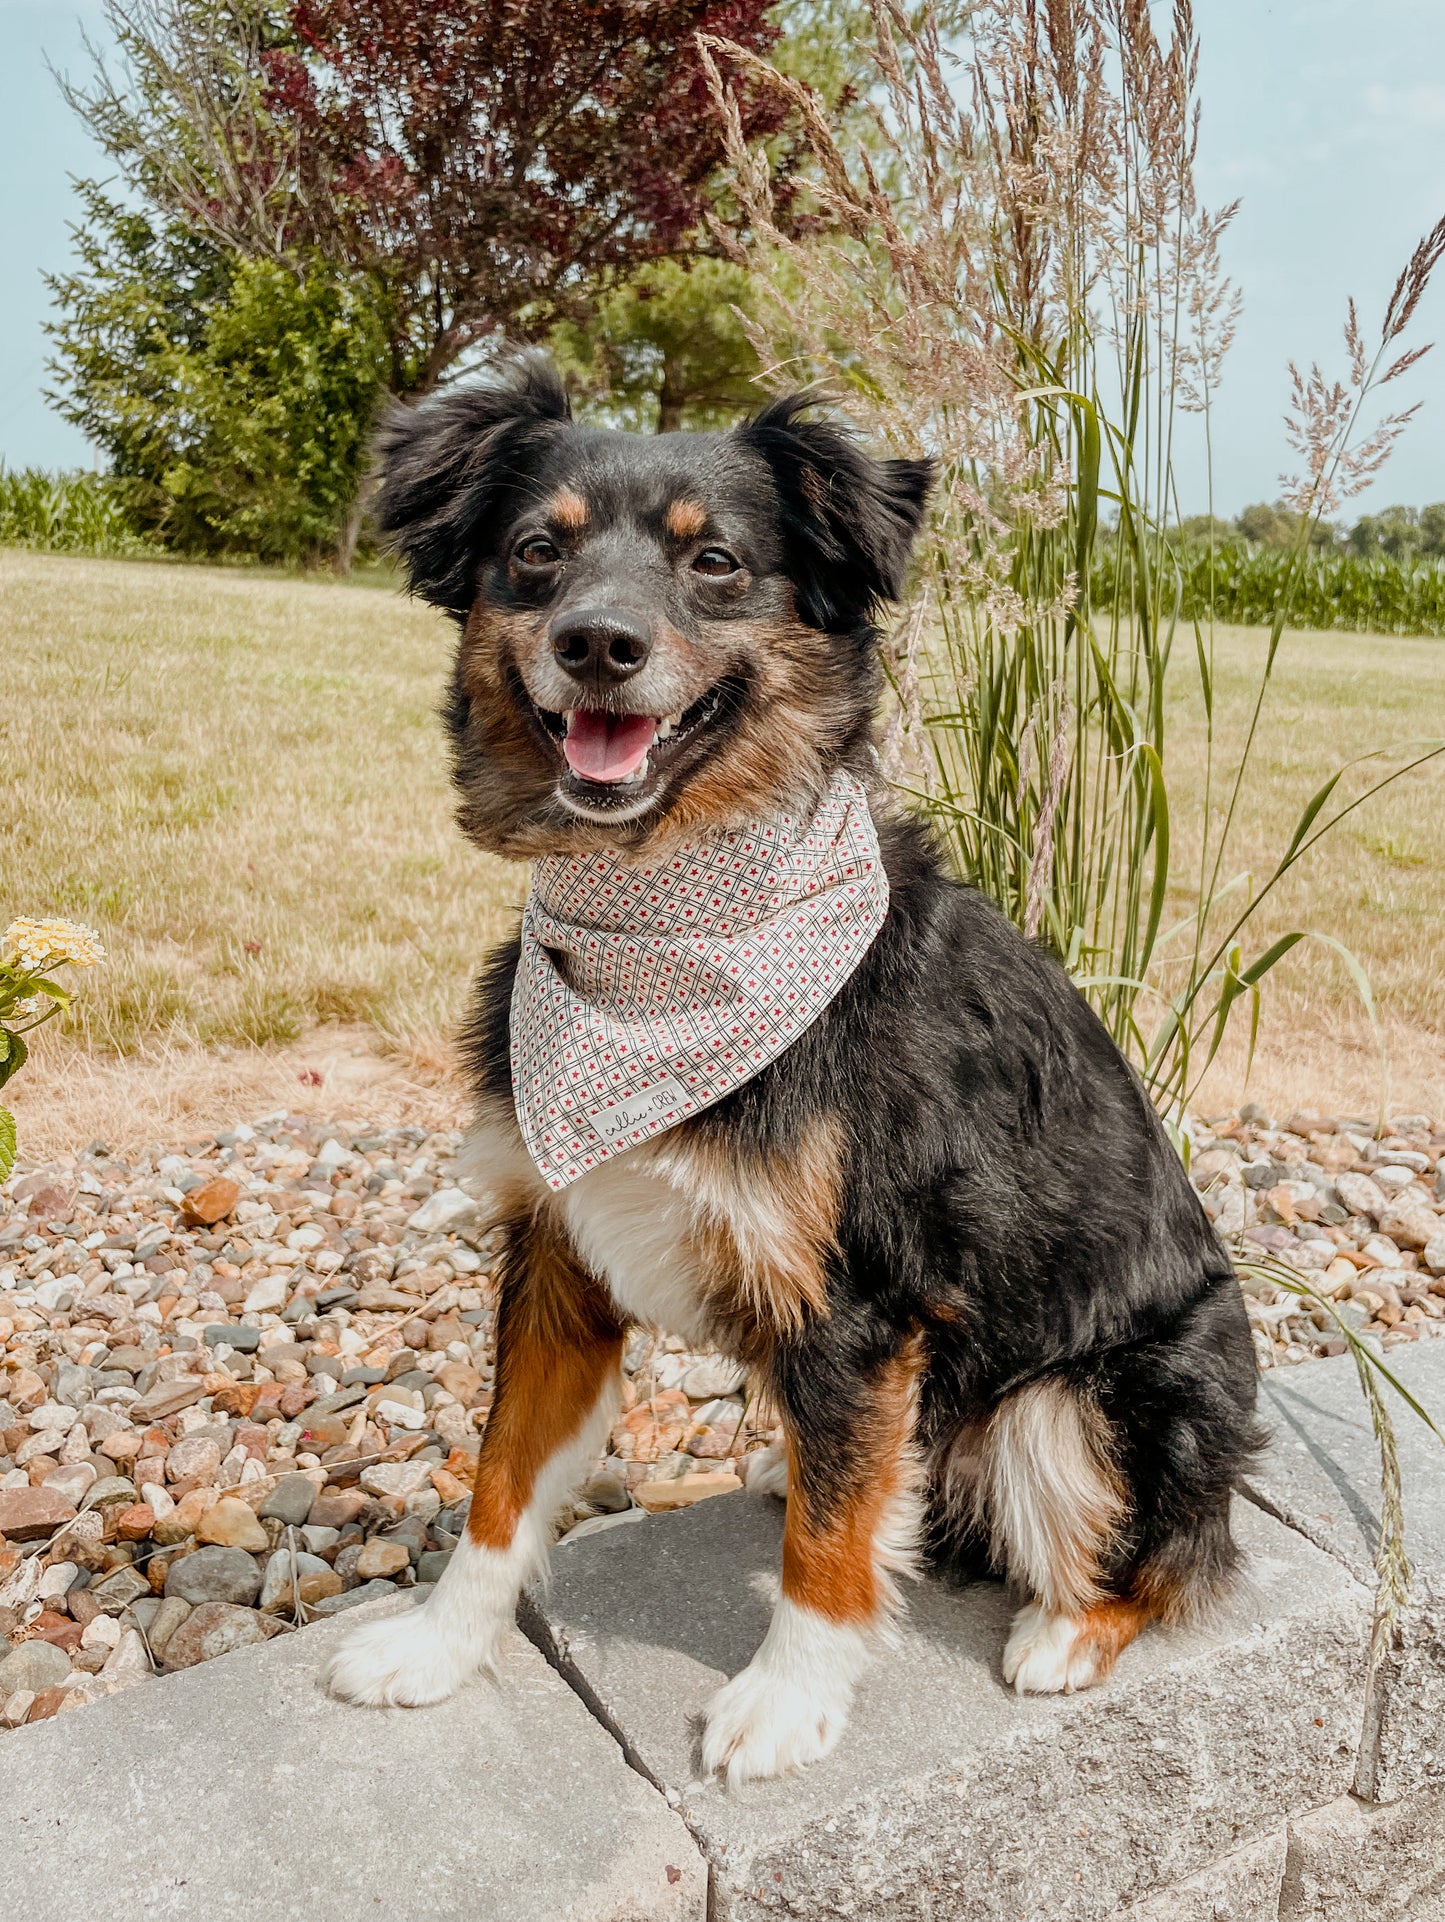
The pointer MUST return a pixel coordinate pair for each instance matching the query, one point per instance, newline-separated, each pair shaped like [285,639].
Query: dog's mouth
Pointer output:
[614,761]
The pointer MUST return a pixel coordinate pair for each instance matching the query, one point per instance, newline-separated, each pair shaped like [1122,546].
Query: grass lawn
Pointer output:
[240,781]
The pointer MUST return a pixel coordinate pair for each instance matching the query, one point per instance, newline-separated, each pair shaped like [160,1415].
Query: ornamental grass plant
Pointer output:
[1013,270]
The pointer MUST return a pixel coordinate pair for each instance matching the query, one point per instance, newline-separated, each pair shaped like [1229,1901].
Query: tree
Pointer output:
[233,397]
[666,349]
[483,164]
[1279,526]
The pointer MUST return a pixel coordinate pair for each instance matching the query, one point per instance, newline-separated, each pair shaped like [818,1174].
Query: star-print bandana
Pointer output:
[644,994]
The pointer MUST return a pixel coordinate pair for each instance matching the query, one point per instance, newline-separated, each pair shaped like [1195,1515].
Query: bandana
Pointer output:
[644,994]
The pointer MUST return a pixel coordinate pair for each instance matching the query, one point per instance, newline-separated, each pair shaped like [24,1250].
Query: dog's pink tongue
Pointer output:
[607,747]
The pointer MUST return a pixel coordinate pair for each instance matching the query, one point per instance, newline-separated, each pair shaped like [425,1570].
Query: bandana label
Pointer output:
[644,994]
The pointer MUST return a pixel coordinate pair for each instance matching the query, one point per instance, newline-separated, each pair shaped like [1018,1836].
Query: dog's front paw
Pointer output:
[1048,1654]
[759,1726]
[403,1661]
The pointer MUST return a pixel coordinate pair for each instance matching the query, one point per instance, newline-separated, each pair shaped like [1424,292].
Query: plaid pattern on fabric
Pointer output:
[644,994]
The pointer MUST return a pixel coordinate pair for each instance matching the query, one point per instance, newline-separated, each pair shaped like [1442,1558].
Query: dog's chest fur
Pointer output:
[686,1233]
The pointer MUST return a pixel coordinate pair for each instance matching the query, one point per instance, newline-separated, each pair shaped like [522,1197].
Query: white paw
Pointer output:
[758,1727]
[1047,1655]
[404,1661]
[767,1471]
[791,1702]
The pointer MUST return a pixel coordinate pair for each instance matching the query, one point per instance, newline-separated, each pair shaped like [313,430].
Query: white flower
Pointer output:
[37,946]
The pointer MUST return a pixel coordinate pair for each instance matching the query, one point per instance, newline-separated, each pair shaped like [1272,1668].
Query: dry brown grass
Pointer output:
[1376,884]
[198,758]
[241,783]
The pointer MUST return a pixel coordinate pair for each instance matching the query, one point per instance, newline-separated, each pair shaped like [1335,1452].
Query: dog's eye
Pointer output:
[537,552]
[715,562]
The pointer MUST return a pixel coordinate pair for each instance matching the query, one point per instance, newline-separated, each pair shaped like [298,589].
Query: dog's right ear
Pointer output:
[446,467]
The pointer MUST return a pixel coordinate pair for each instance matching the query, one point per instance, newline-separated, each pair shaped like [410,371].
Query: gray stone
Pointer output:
[1323,1477]
[214,1575]
[949,1796]
[535,1816]
[371,1591]
[1353,1862]
[432,1564]
[216,1628]
[171,1611]
[33,1665]
[240,1335]
[119,1589]
[607,1493]
[1243,1886]
[290,1500]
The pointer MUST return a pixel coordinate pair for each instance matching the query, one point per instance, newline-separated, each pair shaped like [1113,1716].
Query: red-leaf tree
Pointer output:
[486,161]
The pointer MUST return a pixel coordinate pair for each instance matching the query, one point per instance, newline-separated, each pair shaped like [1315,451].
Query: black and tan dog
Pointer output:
[943,1228]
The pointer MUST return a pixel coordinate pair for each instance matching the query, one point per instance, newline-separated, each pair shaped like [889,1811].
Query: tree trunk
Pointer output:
[670,401]
[345,550]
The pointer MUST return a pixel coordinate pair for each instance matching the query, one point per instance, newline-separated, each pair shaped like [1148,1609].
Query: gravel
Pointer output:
[246,1379]
[245,1383]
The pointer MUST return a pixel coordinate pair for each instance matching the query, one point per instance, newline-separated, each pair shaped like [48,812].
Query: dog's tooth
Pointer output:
[664,728]
[569,717]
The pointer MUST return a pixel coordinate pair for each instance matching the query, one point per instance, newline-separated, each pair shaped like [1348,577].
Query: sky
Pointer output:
[1326,116]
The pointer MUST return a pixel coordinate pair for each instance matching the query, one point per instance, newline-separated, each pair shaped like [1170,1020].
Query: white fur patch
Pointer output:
[409,1660]
[1045,1493]
[633,1231]
[791,1703]
[767,1471]
[1046,1654]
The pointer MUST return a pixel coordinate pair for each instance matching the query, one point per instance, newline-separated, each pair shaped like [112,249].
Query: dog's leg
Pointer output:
[559,1349]
[851,1527]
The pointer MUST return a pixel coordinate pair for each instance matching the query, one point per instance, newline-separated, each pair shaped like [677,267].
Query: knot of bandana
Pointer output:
[644,994]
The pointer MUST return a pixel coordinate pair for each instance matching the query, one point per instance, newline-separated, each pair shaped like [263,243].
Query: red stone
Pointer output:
[28,1513]
[212,1201]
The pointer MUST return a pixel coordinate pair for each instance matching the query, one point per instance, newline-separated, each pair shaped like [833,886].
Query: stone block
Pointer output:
[239,1790]
[1322,1476]
[1243,1886]
[949,1799]
[1352,1861]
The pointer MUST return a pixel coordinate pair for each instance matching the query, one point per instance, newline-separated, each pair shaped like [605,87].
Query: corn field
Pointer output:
[65,513]
[1242,584]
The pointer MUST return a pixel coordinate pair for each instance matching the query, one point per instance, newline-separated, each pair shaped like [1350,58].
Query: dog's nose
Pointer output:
[600,644]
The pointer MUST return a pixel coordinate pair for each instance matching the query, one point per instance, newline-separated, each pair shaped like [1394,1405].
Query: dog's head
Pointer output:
[658,633]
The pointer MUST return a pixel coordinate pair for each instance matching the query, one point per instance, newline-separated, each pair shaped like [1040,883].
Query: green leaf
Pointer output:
[7,1143]
[16,1054]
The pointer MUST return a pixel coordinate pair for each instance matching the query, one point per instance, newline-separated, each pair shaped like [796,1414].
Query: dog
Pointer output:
[940,1223]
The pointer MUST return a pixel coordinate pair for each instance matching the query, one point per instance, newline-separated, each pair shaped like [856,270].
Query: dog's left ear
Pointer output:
[849,520]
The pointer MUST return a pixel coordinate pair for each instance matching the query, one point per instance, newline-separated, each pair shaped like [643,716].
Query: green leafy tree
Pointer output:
[1279,526]
[233,397]
[1393,532]
[666,349]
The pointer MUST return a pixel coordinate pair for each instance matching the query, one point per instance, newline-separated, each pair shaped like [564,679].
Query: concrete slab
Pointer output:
[950,1799]
[1243,1887]
[1323,1477]
[1350,1862]
[1323,1473]
[238,1790]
